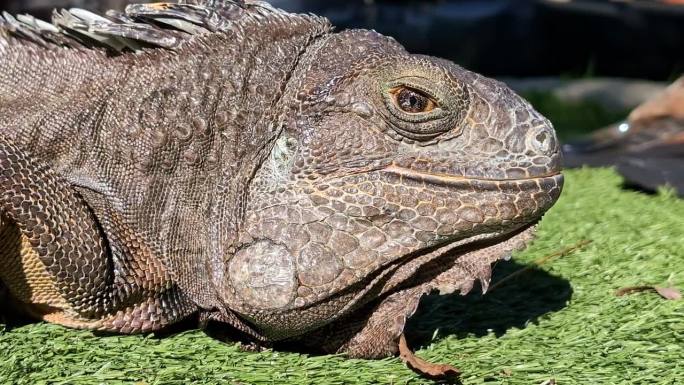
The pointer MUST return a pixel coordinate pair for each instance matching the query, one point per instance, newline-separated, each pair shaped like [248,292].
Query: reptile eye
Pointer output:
[412,101]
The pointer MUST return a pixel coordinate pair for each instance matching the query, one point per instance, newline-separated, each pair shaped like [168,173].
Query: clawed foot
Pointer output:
[252,347]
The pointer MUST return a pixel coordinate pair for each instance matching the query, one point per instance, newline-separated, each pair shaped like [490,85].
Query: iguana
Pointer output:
[230,160]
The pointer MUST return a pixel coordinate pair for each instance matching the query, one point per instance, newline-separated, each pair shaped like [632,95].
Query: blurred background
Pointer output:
[585,64]
[520,38]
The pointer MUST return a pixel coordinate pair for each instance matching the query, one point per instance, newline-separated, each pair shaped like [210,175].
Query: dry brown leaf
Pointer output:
[424,368]
[632,289]
[670,293]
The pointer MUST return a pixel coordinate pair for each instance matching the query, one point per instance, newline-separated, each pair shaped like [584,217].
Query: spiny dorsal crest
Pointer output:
[164,25]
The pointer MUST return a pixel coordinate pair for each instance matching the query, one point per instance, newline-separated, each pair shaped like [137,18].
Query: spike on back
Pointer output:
[151,25]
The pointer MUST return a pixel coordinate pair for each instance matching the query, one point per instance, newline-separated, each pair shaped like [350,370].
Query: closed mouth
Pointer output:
[446,179]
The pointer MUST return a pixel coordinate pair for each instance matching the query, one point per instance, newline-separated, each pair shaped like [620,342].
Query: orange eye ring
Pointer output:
[412,101]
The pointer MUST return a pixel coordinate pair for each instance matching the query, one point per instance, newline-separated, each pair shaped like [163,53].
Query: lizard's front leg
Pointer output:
[57,259]
[58,227]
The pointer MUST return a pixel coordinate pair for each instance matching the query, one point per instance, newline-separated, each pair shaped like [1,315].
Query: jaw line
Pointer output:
[454,243]
[446,179]
[420,257]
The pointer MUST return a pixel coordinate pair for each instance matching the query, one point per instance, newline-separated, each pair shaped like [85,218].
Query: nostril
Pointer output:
[541,140]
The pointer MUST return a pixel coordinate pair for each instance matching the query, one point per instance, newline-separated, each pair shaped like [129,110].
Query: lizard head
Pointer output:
[383,157]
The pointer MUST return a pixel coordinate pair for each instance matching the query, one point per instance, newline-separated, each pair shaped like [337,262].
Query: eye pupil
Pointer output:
[413,101]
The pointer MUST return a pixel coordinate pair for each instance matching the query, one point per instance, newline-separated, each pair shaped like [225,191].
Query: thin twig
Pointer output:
[541,261]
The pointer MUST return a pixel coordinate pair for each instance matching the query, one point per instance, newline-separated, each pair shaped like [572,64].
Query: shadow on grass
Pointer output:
[514,304]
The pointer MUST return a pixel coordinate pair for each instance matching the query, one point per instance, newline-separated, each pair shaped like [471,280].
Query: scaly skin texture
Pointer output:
[260,170]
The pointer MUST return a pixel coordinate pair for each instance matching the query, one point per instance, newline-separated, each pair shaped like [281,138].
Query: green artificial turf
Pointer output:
[561,321]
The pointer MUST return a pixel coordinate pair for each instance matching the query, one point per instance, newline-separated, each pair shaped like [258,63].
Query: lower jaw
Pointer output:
[473,253]
[451,268]
[459,268]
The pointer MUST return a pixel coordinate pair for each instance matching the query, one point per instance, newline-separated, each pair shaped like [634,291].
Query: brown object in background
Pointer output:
[652,123]
[647,148]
